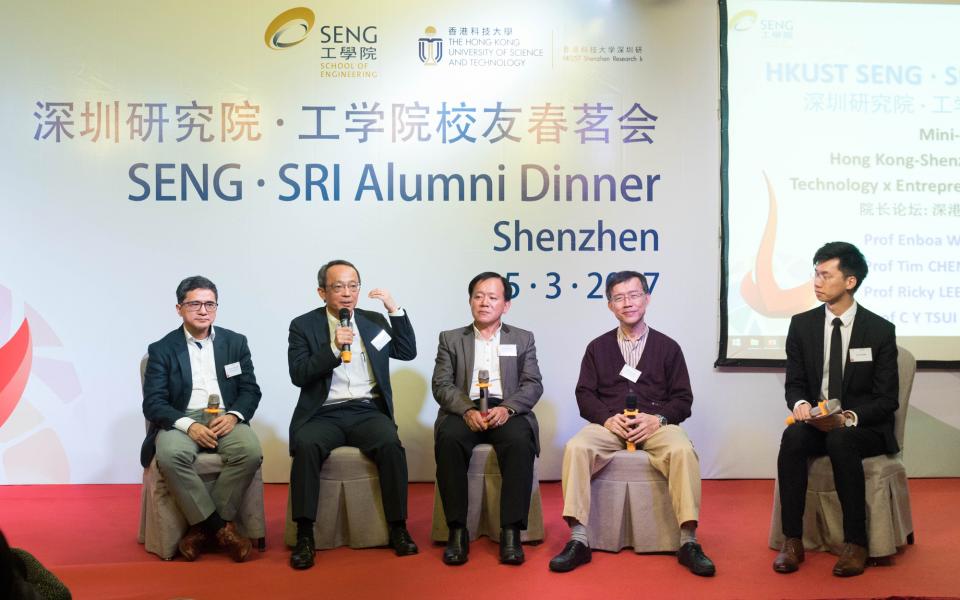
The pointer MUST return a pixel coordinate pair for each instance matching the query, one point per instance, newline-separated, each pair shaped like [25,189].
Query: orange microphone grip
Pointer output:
[631,447]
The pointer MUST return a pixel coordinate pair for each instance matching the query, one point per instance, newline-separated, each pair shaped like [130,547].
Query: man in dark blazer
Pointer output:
[346,400]
[509,355]
[839,350]
[187,371]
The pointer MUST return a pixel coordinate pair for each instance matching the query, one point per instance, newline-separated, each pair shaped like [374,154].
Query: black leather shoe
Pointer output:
[401,542]
[691,556]
[302,556]
[458,546]
[511,552]
[573,555]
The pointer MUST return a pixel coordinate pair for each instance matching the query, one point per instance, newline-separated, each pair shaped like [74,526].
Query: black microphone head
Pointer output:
[213,401]
[631,401]
[344,315]
[483,376]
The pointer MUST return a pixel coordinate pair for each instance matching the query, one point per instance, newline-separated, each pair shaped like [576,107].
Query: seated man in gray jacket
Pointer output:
[500,360]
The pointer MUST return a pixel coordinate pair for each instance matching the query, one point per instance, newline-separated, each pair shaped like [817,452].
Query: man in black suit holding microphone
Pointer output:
[837,351]
[339,357]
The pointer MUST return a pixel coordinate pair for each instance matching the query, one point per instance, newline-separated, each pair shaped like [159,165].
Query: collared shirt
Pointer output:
[632,350]
[203,371]
[486,356]
[845,329]
[354,380]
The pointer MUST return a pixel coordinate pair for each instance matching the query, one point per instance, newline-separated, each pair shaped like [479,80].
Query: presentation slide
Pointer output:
[843,123]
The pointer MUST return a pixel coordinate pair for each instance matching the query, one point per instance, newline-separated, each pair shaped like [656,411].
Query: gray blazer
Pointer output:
[519,375]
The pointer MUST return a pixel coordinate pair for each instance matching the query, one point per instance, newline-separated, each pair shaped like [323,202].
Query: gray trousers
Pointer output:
[241,455]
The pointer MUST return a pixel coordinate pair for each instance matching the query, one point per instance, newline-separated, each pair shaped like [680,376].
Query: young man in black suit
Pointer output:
[842,351]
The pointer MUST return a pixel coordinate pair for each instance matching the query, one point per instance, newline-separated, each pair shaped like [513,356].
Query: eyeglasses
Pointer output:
[338,287]
[632,296]
[194,306]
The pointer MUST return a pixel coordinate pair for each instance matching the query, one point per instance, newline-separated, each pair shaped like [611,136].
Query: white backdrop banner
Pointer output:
[250,143]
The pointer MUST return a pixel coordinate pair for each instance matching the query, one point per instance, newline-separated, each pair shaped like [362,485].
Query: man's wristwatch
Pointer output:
[663,420]
[848,419]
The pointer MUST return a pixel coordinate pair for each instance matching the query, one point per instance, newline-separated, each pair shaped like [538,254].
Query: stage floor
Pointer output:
[86,534]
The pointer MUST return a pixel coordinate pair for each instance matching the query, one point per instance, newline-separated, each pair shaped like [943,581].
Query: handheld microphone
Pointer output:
[212,411]
[483,380]
[631,410]
[822,409]
[345,354]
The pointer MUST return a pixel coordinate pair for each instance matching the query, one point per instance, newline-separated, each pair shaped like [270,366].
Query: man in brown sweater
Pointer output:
[633,358]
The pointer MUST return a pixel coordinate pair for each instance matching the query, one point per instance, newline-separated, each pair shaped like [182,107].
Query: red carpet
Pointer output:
[86,534]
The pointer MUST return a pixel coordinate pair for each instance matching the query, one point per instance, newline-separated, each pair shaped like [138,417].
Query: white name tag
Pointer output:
[630,373]
[861,355]
[232,369]
[508,350]
[381,340]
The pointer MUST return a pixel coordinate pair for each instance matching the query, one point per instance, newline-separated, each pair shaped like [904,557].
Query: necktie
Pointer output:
[835,372]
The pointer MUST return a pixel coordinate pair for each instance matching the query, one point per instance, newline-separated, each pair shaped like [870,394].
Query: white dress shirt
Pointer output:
[353,380]
[486,356]
[203,371]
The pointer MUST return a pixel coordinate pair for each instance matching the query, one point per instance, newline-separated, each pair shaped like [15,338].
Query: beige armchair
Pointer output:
[483,508]
[350,511]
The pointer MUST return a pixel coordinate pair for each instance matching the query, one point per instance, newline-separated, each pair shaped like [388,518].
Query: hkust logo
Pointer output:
[743,20]
[431,47]
[289,28]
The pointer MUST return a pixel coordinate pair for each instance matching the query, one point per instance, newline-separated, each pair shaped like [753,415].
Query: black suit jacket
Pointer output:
[168,382]
[312,361]
[870,388]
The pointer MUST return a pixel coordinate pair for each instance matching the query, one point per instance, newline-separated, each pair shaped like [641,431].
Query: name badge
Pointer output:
[861,355]
[232,370]
[381,340]
[508,350]
[630,373]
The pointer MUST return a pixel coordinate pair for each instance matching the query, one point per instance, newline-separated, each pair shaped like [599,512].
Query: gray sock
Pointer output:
[688,533]
[578,532]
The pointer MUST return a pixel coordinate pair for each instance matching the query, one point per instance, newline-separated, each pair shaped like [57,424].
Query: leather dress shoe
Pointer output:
[572,556]
[853,560]
[511,552]
[303,553]
[458,546]
[237,546]
[192,542]
[790,556]
[401,542]
[691,556]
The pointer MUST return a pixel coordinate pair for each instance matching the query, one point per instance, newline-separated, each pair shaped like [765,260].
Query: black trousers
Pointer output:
[357,424]
[515,448]
[846,447]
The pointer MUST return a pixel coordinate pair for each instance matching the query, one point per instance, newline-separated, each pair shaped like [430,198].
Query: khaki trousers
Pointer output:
[671,453]
[241,455]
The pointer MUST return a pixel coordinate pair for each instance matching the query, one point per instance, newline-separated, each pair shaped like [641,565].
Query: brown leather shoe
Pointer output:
[853,560]
[192,542]
[237,546]
[790,556]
